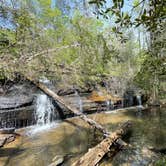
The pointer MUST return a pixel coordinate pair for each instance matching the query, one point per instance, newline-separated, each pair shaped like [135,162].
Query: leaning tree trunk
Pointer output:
[57,98]
[94,155]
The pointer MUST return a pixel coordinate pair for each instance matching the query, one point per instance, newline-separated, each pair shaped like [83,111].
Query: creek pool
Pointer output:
[72,138]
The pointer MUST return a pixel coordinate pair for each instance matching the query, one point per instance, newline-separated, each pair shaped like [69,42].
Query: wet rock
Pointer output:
[15,102]
[57,160]
[10,138]
[1,91]
[63,92]
[18,117]
[17,95]
[22,89]
[7,130]
[69,91]
[6,138]
[2,142]
[135,157]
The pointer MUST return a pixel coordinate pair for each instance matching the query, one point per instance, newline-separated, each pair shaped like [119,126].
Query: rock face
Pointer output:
[6,138]
[19,117]
[17,95]
[17,105]
[57,160]
[90,103]
[7,131]
[15,102]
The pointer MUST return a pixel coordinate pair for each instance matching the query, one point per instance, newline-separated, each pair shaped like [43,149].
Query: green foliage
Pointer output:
[151,14]
[38,27]
[160,162]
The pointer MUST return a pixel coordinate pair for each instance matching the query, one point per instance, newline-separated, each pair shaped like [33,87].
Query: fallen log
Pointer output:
[90,158]
[57,98]
[95,154]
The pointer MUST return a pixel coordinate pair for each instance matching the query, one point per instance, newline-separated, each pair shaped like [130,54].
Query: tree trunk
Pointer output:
[57,98]
[94,155]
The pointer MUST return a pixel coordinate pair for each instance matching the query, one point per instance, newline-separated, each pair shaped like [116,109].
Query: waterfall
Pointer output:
[108,104]
[44,110]
[139,101]
[45,114]
[79,101]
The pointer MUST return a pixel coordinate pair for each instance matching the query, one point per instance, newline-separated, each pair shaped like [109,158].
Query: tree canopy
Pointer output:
[80,42]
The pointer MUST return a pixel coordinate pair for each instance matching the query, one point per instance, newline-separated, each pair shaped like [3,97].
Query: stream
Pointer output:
[72,138]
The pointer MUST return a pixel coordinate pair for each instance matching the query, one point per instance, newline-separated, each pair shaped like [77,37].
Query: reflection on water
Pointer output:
[73,137]
[149,130]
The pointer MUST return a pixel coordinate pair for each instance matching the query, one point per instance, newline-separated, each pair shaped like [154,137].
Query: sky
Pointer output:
[70,5]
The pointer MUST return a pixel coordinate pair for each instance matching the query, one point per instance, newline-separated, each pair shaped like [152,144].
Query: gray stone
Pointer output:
[59,159]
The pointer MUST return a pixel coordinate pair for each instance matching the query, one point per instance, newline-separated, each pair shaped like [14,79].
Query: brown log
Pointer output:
[95,154]
[57,98]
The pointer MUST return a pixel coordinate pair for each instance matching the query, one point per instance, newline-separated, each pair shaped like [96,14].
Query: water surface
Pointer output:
[73,137]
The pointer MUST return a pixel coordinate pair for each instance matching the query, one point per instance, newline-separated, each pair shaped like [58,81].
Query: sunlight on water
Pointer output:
[33,130]
[74,137]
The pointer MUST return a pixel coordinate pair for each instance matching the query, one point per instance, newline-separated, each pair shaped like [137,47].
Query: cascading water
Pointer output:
[44,110]
[108,103]
[45,113]
[79,101]
[139,101]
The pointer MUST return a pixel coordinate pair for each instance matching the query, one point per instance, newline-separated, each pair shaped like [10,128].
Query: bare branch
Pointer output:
[50,51]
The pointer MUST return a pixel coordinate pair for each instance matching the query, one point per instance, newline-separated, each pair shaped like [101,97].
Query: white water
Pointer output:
[79,101]
[33,130]
[108,103]
[140,107]
[44,115]
[139,100]
[44,110]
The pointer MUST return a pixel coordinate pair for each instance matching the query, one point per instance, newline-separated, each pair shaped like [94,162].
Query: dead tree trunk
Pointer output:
[57,98]
[94,155]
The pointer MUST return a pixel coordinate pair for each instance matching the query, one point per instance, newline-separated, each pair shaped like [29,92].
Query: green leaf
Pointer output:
[136,3]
